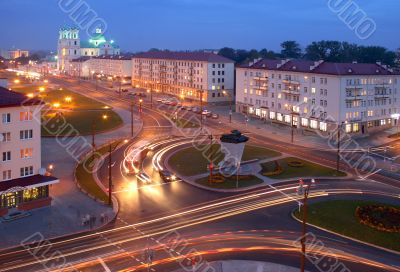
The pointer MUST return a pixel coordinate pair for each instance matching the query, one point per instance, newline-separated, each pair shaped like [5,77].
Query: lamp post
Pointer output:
[140,107]
[150,91]
[132,106]
[230,105]
[111,149]
[338,147]
[304,191]
[104,117]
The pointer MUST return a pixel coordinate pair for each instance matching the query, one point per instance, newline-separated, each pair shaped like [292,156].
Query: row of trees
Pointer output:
[332,51]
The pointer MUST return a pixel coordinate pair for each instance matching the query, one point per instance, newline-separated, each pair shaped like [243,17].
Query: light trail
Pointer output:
[200,218]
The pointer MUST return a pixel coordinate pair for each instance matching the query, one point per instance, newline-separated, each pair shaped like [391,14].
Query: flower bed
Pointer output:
[382,218]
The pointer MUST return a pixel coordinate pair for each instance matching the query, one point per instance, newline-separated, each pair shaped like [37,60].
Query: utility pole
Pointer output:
[338,148]
[132,105]
[212,157]
[301,191]
[93,135]
[110,175]
[201,109]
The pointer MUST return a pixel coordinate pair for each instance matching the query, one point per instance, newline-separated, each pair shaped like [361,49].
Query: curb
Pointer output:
[346,237]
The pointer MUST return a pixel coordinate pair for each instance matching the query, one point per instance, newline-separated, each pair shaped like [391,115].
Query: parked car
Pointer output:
[159,100]
[214,116]
[189,108]
[206,113]
[124,90]
[196,110]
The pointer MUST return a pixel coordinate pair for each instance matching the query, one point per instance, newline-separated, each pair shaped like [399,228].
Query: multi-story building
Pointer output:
[14,54]
[70,47]
[117,66]
[319,95]
[24,184]
[185,74]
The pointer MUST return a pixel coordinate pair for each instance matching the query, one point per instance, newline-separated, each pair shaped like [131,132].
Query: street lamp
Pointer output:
[140,106]
[230,104]
[396,116]
[111,149]
[304,191]
[150,91]
[338,146]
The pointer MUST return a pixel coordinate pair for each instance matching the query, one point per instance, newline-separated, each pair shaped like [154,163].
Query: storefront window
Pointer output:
[314,124]
[263,113]
[258,112]
[287,119]
[251,110]
[272,115]
[348,128]
[295,121]
[279,117]
[304,122]
[356,127]
[323,126]
[383,122]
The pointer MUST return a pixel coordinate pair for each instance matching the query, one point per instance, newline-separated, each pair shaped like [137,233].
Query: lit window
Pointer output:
[304,122]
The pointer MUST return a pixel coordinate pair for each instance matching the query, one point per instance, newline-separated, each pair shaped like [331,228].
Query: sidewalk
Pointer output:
[69,205]
[248,266]
[302,138]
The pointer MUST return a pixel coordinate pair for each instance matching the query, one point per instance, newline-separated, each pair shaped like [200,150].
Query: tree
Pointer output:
[253,54]
[227,52]
[316,51]
[291,49]
[268,54]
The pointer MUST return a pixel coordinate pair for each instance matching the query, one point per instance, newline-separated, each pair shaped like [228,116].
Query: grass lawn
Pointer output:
[339,216]
[25,89]
[230,183]
[308,170]
[78,101]
[85,178]
[192,161]
[79,120]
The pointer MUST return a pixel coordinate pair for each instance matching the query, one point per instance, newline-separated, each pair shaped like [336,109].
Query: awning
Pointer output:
[26,183]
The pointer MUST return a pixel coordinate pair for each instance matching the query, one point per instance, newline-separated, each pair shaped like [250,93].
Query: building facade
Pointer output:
[191,75]
[319,95]
[117,66]
[14,54]
[71,47]
[24,184]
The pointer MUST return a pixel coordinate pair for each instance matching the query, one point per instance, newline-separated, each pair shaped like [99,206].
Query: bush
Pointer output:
[382,218]
[294,163]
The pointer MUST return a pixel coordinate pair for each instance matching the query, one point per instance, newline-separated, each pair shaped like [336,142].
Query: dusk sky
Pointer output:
[198,24]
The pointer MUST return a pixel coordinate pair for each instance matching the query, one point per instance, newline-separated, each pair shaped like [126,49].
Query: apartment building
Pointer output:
[319,95]
[189,75]
[24,184]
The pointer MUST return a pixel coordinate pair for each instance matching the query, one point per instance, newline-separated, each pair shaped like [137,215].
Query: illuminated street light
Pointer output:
[68,99]
[56,105]
[17,81]
[30,95]
[42,89]
[105,117]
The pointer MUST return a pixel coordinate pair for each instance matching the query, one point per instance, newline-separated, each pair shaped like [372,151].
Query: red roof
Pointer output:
[31,181]
[329,68]
[13,99]
[184,56]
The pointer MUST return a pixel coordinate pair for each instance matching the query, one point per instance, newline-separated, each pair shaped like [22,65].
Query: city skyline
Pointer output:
[205,25]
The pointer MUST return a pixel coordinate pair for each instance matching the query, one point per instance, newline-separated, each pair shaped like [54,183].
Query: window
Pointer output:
[6,175]
[26,153]
[313,90]
[6,117]
[26,171]
[323,126]
[314,124]
[25,116]
[6,137]
[304,122]
[7,156]
[26,134]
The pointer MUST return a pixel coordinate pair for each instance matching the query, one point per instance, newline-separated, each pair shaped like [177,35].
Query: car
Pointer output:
[189,108]
[206,113]
[214,116]
[143,177]
[167,176]
[124,90]
[159,100]
[196,110]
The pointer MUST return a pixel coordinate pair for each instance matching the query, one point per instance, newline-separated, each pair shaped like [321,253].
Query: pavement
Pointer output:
[301,137]
[70,205]
[247,266]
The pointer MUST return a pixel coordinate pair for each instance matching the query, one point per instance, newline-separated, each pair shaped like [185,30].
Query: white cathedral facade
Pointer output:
[70,47]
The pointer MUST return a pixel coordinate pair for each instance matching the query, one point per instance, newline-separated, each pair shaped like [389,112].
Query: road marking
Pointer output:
[370,174]
[103,264]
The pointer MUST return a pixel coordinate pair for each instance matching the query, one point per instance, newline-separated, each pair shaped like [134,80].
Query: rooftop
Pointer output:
[185,56]
[13,99]
[115,57]
[321,67]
